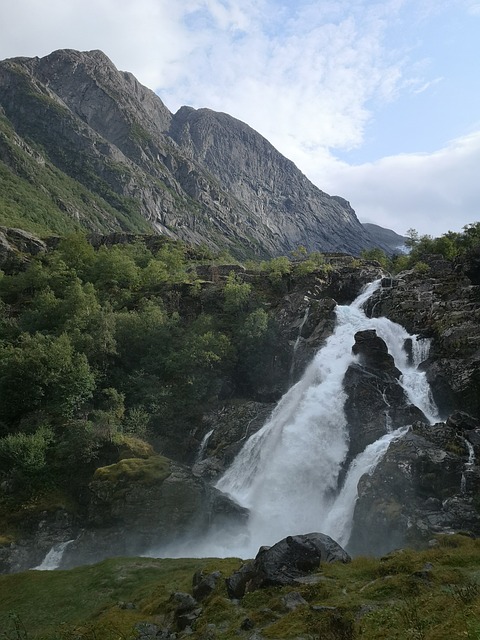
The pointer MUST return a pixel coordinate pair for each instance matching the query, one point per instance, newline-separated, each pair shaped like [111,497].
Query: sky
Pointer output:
[378,102]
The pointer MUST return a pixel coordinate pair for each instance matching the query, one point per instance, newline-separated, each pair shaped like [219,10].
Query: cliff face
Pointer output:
[197,175]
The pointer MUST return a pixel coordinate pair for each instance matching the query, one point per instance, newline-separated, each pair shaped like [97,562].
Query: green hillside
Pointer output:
[429,595]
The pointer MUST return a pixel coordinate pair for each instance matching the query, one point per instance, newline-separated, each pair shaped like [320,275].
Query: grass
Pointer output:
[399,597]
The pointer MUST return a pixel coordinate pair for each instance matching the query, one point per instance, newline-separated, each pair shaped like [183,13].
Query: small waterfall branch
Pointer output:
[468,465]
[203,446]
[54,557]
[297,341]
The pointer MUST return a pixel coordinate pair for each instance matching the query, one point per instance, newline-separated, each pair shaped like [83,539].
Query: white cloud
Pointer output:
[429,192]
[309,73]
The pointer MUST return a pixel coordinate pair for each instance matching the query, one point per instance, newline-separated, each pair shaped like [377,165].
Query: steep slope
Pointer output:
[393,242]
[198,175]
[274,190]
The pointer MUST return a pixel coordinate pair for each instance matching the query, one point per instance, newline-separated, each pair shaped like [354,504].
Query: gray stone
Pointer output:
[286,562]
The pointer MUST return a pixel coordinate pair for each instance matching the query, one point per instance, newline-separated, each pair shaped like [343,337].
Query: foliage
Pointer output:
[143,470]
[449,246]
[376,254]
[236,294]
[97,345]
[43,372]
[108,342]
[27,453]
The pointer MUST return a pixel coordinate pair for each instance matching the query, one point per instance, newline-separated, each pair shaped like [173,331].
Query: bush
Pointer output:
[25,453]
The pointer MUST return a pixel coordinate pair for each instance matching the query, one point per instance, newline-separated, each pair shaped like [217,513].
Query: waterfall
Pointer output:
[420,350]
[338,523]
[203,446]
[287,473]
[468,465]
[297,341]
[54,557]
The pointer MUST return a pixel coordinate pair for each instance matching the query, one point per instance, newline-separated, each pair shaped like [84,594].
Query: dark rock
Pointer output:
[147,630]
[204,585]
[183,601]
[285,562]
[238,582]
[461,421]
[443,305]
[247,624]
[16,246]
[121,521]
[415,491]
[376,402]
[373,353]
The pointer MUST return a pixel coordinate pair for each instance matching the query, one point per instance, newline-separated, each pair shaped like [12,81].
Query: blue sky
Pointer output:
[378,102]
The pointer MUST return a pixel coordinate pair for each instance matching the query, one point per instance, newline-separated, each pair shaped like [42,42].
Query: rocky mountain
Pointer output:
[84,145]
[385,237]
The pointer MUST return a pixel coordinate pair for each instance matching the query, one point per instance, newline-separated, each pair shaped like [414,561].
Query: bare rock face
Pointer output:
[199,176]
[14,243]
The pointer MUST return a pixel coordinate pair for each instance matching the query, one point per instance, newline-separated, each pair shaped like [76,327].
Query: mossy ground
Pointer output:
[429,595]
[144,470]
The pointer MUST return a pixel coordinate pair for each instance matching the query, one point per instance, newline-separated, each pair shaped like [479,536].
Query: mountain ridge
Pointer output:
[196,175]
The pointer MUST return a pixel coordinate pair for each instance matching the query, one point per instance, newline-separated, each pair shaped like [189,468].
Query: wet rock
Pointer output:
[121,520]
[373,353]
[443,305]
[419,488]
[376,402]
[186,610]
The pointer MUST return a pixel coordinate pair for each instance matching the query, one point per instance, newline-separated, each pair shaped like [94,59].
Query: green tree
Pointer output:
[376,254]
[43,373]
[236,294]
[114,269]
[25,453]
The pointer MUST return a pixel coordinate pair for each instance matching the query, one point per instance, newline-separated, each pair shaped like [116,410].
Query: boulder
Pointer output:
[285,563]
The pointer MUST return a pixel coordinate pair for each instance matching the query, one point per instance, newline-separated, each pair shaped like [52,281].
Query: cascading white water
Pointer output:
[338,523]
[287,473]
[54,557]
[468,465]
[297,341]
[203,446]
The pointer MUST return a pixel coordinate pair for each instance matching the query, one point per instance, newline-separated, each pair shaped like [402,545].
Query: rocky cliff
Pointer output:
[87,145]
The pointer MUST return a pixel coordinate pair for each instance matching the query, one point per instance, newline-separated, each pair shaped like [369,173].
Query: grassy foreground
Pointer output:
[432,594]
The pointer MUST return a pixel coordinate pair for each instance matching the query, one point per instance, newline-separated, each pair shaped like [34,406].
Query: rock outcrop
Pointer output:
[376,402]
[427,483]
[442,304]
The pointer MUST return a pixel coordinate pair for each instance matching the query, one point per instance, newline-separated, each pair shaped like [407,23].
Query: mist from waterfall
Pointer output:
[287,473]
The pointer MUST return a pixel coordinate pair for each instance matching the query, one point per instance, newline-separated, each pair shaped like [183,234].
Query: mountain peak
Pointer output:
[199,175]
